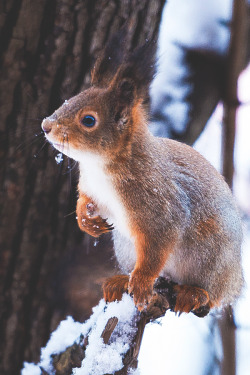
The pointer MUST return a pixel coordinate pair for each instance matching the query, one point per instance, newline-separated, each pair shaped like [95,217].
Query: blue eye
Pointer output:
[88,121]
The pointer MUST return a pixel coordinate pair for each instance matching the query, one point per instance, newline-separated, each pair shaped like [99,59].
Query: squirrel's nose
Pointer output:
[47,125]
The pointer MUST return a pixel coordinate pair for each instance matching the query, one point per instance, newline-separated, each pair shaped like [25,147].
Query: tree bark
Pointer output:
[48,48]
[235,64]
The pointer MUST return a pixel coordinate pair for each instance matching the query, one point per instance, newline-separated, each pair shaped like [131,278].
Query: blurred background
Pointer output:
[48,269]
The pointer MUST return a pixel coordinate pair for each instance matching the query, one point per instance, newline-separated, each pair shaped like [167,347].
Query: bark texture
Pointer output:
[235,64]
[47,50]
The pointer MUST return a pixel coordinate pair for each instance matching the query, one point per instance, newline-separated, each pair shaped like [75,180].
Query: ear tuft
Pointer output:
[136,68]
[126,91]
[110,59]
[142,66]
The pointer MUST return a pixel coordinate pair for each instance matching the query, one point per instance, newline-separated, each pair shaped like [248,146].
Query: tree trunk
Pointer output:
[235,63]
[48,48]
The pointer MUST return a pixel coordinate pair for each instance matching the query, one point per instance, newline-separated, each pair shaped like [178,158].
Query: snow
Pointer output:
[198,35]
[134,372]
[242,149]
[31,369]
[185,337]
[184,25]
[96,241]
[65,335]
[98,356]
[211,150]
[59,158]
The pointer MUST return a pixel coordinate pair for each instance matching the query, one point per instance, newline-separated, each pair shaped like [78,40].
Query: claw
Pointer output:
[141,288]
[110,227]
[89,221]
[190,298]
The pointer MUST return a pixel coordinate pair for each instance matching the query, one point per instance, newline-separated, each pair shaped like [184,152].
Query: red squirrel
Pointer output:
[170,212]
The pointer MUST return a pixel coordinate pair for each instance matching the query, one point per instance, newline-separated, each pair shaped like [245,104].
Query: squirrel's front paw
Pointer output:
[88,221]
[140,287]
[94,226]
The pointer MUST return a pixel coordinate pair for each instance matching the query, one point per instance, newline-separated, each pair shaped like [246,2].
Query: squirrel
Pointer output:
[170,212]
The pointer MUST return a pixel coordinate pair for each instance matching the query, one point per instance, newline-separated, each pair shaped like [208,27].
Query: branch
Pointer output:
[116,333]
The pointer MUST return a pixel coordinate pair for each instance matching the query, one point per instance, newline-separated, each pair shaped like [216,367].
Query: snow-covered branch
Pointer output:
[108,343]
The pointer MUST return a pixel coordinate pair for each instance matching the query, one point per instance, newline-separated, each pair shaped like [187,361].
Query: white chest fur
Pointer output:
[98,185]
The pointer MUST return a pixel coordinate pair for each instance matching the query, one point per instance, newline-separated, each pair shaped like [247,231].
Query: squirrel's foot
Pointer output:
[114,287]
[138,286]
[191,298]
[88,221]
[141,288]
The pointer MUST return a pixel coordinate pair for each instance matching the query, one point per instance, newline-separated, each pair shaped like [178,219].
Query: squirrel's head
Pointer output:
[104,118]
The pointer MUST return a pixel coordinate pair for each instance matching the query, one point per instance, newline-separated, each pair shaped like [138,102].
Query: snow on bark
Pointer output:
[100,358]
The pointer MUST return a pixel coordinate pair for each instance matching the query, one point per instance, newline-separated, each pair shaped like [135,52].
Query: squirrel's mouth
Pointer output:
[56,145]
[63,148]
[59,146]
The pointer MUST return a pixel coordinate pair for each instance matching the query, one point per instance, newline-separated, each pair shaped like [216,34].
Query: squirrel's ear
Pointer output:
[125,91]
[110,59]
[138,69]
[117,61]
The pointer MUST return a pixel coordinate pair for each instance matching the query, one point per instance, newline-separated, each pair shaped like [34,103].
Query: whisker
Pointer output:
[29,141]
[35,119]
[73,164]
[34,128]
[54,150]
[70,177]
[69,166]
[34,156]
[71,213]
[39,151]
[65,140]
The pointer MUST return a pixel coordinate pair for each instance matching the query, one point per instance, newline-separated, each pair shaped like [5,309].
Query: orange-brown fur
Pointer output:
[190,298]
[173,213]
[144,274]
[114,287]
[87,219]
[205,227]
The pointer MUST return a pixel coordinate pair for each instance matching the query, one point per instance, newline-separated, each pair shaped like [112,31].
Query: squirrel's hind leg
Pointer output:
[191,298]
